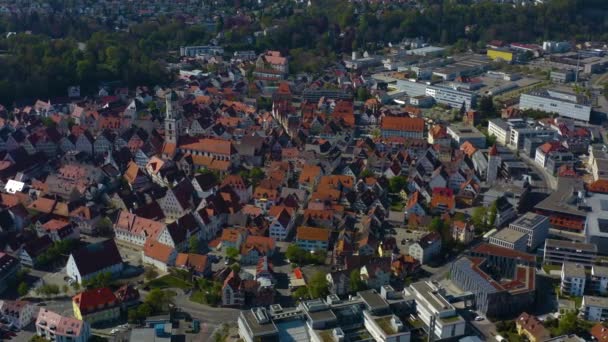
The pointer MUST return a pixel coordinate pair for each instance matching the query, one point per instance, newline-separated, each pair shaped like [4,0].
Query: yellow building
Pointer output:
[97,305]
[504,55]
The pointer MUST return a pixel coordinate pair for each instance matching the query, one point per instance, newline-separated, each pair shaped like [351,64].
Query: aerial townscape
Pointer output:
[304,170]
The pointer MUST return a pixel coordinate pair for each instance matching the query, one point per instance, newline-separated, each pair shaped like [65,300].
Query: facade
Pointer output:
[461,133]
[54,327]
[500,129]
[560,251]
[8,268]
[594,308]
[511,239]
[405,127]
[513,292]
[312,239]
[494,161]
[193,51]
[452,97]
[88,261]
[387,328]
[562,76]
[501,54]
[573,279]
[535,226]
[532,328]
[569,105]
[428,247]
[430,304]
[19,313]
[96,305]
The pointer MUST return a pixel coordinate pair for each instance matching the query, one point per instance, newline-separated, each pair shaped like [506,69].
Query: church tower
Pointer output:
[493,164]
[172,122]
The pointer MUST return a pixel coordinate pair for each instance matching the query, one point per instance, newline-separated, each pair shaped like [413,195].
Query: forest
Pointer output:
[62,51]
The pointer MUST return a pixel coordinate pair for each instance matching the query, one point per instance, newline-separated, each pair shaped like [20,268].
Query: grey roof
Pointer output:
[509,235]
[562,199]
[587,247]
[601,302]
[573,270]
[373,300]
[257,328]
[530,220]
[599,271]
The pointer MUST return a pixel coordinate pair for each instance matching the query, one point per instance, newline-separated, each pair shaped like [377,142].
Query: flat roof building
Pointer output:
[573,106]
[535,226]
[511,239]
[559,251]
[461,133]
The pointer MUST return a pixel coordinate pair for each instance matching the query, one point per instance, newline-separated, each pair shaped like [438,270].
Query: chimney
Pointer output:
[354,55]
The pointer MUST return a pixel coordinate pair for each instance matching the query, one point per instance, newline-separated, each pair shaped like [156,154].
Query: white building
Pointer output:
[385,328]
[431,305]
[511,239]
[535,225]
[493,165]
[19,313]
[54,327]
[573,106]
[426,248]
[88,261]
[573,279]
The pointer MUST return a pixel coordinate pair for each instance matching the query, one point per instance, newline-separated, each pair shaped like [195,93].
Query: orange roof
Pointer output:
[325,194]
[261,243]
[263,193]
[413,200]
[42,204]
[131,172]
[138,225]
[334,180]
[468,149]
[211,145]
[276,210]
[311,233]
[600,332]
[443,196]
[402,123]
[169,149]
[600,186]
[211,163]
[533,326]
[308,173]
[54,224]
[438,132]
[230,235]
[188,260]
[157,251]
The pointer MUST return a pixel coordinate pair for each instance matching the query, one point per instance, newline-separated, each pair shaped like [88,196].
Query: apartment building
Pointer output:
[511,239]
[573,279]
[461,133]
[594,308]
[559,251]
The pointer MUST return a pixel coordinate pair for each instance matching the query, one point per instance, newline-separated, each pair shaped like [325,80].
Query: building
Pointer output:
[9,267]
[597,280]
[535,226]
[494,161]
[19,313]
[257,325]
[594,308]
[93,259]
[573,106]
[271,66]
[499,129]
[159,255]
[386,328]
[136,230]
[501,54]
[461,133]
[562,76]
[96,305]
[511,239]
[598,159]
[453,97]
[514,132]
[193,51]
[559,251]
[312,239]
[405,127]
[532,328]
[573,279]
[427,248]
[502,280]
[431,305]
[54,327]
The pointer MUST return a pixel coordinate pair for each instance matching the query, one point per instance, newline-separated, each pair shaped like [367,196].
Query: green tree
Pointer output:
[150,273]
[492,212]
[159,300]
[23,289]
[355,282]
[318,286]
[295,254]
[193,245]
[363,94]
[478,217]
[397,183]
[232,253]
[104,226]
[301,293]
[486,107]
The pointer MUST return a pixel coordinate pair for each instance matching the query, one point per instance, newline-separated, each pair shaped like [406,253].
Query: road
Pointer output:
[548,179]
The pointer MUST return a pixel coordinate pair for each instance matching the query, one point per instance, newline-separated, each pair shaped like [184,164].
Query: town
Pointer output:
[407,191]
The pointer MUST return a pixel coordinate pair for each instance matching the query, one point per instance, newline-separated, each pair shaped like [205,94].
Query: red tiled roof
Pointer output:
[402,123]
[91,300]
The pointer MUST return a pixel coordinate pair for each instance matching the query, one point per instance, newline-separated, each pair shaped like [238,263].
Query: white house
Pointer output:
[158,255]
[426,248]
[94,259]
[19,313]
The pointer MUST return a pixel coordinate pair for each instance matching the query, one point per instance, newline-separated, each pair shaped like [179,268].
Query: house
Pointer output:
[414,205]
[58,230]
[135,230]
[127,296]
[532,328]
[198,264]
[19,313]
[233,237]
[282,221]
[256,247]
[425,249]
[600,332]
[205,184]
[96,306]
[312,239]
[338,282]
[443,200]
[404,127]
[237,184]
[158,255]
[54,327]
[376,273]
[309,177]
[88,261]
[232,294]
[264,198]
[594,308]
[271,66]
[33,248]
[463,231]
[178,200]
[9,267]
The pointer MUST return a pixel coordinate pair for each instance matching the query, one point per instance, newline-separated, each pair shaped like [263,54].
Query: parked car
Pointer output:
[479,318]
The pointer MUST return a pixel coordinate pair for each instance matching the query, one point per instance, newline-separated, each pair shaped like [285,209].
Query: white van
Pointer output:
[500,338]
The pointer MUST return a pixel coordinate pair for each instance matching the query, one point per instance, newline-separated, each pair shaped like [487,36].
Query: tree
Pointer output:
[363,94]
[492,212]
[355,283]
[193,245]
[23,289]
[295,254]
[159,300]
[606,90]
[318,286]
[478,217]
[232,253]
[486,107]
[397,183]
[150,273]
[104,226]
[301,293]
[65,288]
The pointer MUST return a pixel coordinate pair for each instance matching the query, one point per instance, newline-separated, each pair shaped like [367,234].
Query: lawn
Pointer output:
[549,268]
[169,281]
